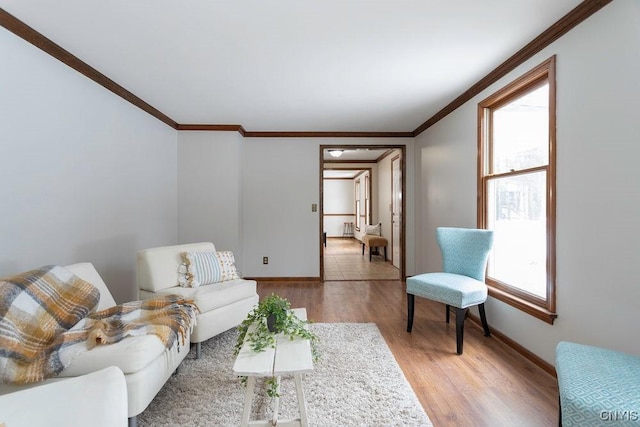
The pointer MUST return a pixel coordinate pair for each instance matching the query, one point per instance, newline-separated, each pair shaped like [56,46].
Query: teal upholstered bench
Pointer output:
[598,387]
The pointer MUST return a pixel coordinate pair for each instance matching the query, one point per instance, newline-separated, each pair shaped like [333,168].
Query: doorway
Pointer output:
[367,174]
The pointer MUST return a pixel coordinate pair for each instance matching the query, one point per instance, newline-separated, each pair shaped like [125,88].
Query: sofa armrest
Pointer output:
[96,399]
[86,271]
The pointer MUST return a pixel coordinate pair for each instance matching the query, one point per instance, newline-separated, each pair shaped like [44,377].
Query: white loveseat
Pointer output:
[222,305]
[144,360]
[98,399]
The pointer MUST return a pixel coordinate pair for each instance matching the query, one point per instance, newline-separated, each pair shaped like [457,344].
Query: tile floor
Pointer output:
[343,260]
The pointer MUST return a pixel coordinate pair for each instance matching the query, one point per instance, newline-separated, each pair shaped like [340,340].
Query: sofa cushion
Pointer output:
[373,230]
[130,355]
[227,265]
[157,268]
[203,268]
[211,297]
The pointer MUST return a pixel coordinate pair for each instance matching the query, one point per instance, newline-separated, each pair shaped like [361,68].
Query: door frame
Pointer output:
[403,168]
[400,250]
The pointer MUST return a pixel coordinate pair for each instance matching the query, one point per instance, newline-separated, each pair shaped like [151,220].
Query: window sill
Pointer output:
[522,305]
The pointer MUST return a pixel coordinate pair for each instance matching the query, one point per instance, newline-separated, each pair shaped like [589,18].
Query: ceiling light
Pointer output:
[335,153]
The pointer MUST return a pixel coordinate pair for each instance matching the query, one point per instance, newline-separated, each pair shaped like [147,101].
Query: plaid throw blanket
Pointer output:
[39,308]
[169,317]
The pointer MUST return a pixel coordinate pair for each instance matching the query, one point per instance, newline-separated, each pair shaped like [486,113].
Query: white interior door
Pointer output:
[396,211]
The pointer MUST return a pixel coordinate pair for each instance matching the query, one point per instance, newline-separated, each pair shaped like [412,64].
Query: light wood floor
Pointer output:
[489,385]
[343,260]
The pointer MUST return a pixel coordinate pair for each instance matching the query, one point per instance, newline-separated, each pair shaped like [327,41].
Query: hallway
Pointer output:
[343,260]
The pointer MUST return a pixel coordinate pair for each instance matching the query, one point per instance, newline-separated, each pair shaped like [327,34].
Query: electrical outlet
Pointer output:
[265,260]
[314,207]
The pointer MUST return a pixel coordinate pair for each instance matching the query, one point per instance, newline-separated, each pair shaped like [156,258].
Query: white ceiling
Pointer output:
[340,174]
[355,154]
[294,65]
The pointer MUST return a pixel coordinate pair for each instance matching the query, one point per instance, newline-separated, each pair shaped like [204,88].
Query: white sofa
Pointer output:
[144,360]
[98,399]
[222,305]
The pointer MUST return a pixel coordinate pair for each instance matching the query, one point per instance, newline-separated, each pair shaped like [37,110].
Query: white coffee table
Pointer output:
[287,358]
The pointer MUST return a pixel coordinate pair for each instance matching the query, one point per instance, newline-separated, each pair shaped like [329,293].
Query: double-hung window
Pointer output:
[516,190]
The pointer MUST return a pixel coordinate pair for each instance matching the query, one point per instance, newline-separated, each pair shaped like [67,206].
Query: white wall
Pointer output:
[598,197]
[85,175]
[280,180]
[209,190]
[280,183]
[337,199]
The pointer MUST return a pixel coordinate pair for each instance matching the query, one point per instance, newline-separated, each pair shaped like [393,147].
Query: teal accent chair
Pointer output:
[598,387]
[461,285]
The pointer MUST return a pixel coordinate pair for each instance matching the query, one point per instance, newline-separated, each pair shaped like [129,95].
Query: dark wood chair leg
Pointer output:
[370,250]
[446,314]
[483,318]
[559,412]
[411,300]
[460,315]
[385,254]
[362,248]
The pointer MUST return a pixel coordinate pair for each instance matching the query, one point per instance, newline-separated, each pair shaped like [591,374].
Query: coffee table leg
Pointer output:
[248,399]
[302,403]
[276,403]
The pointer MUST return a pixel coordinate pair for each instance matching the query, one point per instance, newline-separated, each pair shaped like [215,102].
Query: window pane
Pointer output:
[521,132]
[517,215]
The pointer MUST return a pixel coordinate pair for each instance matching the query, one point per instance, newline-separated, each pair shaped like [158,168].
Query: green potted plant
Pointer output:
[273,315]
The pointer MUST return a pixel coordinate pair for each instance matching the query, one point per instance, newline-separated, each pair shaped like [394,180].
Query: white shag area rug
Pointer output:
[356,382]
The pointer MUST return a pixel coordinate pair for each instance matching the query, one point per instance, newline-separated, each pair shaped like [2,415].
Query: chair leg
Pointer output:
[446,314]
[483,318]
[362,248]
[411,300]
[460,315]
[370,250]
[385,254]
[559,412]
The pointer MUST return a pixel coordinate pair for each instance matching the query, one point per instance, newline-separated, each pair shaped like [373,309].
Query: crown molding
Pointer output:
[219,128]
[292,134]
[251,134]
[30,35]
